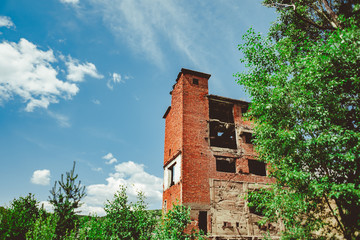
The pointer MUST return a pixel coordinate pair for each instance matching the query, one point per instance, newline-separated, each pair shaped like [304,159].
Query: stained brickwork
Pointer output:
[218,157]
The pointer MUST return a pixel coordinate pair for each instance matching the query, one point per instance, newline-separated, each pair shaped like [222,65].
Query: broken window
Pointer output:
[247,137]
[224,164]
[244,110]
[172,172]
[253,203]
[203,221]
[257,167]
[222,127]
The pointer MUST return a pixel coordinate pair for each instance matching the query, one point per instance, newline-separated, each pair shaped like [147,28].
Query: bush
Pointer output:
[19,218]
[44,227]
[173,225]
[129,220]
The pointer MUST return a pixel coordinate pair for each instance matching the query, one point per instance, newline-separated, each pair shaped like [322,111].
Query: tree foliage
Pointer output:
[19,218]
[66,199]
[44,227]
[174,223]
[130,221]
[304,79]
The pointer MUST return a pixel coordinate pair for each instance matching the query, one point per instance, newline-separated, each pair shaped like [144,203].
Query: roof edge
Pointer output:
[215,97]
[192,72]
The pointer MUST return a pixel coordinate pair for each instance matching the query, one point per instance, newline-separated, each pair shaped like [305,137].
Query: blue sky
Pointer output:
[89,81]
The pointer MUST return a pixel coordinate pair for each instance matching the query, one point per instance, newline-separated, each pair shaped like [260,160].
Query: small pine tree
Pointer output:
[66,199]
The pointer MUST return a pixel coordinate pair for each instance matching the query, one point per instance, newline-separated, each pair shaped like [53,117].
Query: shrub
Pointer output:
[19,218]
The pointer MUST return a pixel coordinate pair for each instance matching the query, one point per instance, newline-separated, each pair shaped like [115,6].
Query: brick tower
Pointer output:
[209,161]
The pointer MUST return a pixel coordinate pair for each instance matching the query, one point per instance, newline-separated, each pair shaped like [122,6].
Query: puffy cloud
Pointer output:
[6,22]
[115,78]
[110,158]
[131,175]
[77,71]
[41,177]
[28,72]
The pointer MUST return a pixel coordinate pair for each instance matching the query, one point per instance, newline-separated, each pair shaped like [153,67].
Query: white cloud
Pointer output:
[28,72]
[41,177]
[6,22]
[74,2]
[62,120]
[110,158]
[47,206]
[131,175]
[77,71]
[115,78]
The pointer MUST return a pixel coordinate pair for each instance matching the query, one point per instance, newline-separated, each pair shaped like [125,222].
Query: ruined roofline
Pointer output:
[225,99]
[192,72]
[219,98]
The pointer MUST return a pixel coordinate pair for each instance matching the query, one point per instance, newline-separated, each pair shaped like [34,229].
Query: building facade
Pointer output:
[209,160]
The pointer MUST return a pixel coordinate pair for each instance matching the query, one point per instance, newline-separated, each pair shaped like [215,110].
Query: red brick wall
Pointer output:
[186,130]
[173,140]
[172,195]
[195,144]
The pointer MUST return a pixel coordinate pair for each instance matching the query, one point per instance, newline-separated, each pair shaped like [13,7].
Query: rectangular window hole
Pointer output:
[244,110]
[224,164]
[203,221]
[171,170]
[247,137]
[257,167]
[195,81]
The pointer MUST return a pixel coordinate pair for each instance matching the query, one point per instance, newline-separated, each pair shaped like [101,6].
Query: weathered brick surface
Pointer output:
[187,131]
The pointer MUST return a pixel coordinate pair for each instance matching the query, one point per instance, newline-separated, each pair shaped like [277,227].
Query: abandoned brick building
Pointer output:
[209,160]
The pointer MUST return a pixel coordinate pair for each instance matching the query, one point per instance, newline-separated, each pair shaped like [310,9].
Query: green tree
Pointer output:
[66,199]
[19,218]
[174,223]
[130,221]
[44,227]
[304,80]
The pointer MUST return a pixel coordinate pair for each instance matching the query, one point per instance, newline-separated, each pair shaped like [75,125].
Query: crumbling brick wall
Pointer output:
[214,141]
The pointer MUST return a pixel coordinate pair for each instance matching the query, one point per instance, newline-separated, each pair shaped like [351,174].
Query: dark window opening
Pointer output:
[203,221]
[222,135]
[225,164]
[248,138]
[195,81]
[244,110]
[227,225]
[253,204]
[257,167]
[221,111]
[237,224]
[171,172]
[222,127]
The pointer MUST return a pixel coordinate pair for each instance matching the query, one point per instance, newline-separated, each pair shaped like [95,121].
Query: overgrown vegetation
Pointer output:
[304,80]
[124,220]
